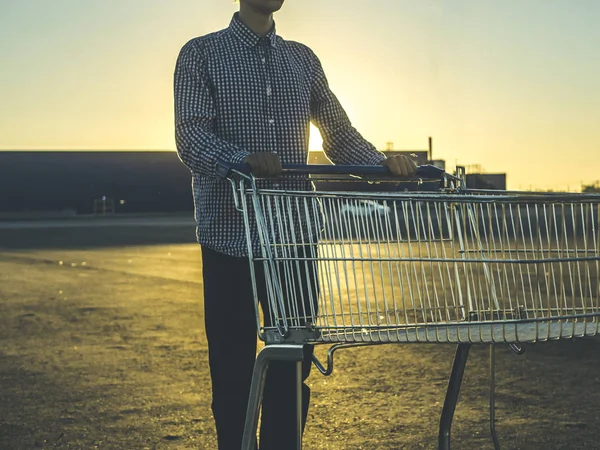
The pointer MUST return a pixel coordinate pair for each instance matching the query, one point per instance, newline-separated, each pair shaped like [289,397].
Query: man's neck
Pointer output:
[258,22]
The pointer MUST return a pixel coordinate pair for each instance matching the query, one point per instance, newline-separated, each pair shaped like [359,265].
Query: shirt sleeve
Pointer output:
[342,143]
[197,145]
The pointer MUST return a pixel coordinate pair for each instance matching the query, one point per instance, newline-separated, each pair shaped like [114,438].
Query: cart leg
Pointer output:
[299,404]
[458,370]
[265,356]
[493,396]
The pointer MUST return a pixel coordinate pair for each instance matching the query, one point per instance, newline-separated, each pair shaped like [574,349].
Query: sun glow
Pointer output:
[316,141]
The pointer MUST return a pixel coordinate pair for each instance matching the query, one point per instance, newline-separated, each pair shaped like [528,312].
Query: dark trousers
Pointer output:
[230,321]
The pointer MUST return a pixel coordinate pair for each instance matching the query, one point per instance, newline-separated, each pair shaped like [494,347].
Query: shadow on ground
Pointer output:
[104,234]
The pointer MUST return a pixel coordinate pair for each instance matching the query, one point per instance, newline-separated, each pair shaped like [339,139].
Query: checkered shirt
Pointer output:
[237,93]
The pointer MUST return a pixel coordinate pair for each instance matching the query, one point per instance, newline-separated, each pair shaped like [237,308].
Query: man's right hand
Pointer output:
[264,164]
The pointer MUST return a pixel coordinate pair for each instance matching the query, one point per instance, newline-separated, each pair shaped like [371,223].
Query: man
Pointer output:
[244,94]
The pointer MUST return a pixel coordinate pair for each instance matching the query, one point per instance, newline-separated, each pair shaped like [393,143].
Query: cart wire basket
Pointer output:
[365,259]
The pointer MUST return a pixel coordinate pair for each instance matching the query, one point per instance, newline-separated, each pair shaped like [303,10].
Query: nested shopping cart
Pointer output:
[424,260]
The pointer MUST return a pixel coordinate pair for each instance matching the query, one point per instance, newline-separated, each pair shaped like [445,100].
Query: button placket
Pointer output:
[270,110]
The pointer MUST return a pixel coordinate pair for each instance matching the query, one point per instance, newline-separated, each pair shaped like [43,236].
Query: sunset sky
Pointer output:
[512,85]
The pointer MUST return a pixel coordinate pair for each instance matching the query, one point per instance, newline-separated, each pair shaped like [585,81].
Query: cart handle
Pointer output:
[224,169]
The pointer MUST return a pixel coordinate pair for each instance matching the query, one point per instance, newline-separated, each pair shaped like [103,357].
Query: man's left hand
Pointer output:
[400,166]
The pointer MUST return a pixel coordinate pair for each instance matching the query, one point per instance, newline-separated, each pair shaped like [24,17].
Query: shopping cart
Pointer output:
[424,260]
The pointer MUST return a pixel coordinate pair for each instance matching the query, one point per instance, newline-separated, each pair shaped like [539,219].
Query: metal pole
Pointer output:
[299,405]
[458,370]
[430,150]
[283,352]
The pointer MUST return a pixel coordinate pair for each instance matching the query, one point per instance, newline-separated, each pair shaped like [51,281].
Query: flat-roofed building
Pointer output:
[85,182]
[496,181]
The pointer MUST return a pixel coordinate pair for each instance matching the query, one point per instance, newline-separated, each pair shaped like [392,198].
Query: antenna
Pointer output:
[430,149]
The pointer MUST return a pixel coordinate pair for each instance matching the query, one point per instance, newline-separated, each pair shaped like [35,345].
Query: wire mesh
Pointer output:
[427,267]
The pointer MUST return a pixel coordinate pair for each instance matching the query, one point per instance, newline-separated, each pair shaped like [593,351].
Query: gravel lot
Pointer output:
[102,346]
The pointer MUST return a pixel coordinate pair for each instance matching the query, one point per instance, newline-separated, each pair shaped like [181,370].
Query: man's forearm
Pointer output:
[200,150]
[346,146]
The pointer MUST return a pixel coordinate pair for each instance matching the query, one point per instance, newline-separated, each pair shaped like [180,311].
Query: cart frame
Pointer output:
[504,267]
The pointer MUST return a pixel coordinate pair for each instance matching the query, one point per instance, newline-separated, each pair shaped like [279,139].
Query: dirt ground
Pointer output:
[102,346]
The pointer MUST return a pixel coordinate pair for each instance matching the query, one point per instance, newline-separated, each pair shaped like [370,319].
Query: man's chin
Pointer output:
[273,5]
[264,6]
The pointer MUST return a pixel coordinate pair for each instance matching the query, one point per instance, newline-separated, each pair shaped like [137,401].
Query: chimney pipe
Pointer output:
[430,149]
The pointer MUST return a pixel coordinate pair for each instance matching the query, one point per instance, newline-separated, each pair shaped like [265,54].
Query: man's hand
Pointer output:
[400,166]
[264,164]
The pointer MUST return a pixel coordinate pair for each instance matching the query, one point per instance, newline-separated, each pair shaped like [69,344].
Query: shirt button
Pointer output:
[269,90]
[263,60]
[271,121]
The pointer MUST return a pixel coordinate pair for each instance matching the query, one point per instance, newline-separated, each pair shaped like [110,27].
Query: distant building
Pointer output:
[439,163]
[107,182]
[94,182]
[496,181]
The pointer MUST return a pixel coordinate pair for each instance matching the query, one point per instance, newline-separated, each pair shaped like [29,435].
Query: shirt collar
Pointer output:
[249,37]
